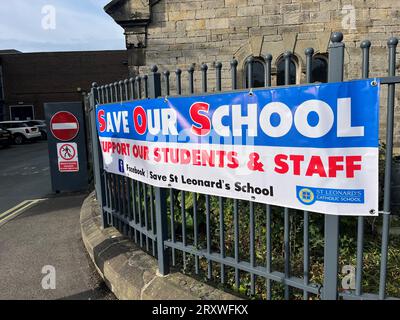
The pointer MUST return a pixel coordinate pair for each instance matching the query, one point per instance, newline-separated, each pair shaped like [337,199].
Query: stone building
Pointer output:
[176,33]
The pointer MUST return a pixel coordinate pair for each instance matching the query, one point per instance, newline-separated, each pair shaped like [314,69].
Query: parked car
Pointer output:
[5,137]
[21,131]
[41,124]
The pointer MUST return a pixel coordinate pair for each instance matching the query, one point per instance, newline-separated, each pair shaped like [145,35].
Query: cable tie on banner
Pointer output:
[384,212]
[166,99]
[251,92]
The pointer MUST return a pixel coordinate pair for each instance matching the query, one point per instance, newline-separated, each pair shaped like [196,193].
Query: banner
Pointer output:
[311,147]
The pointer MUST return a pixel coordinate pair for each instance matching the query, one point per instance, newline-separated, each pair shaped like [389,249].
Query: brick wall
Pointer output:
[37,78]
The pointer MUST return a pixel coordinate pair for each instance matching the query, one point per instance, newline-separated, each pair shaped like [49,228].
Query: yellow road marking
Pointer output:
[18,209]
[14,208]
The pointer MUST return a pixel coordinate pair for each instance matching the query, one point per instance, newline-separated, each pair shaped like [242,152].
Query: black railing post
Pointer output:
[268,69]
[204,69]
[286,214]
[154,91]
[106,94]
[96,154]
[121,90]
[250,62]
[392,45]
[153,83]
[132,88]
[178,73]
[331,245]
[115,91]
[309,52]
[167,89]
[138,81]
[287,56]
[146,85]
[126,89]
[234,65]
[191,79]
[218,75]
[365,46]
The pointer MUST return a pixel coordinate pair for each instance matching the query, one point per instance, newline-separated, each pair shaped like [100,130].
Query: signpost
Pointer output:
[67,146]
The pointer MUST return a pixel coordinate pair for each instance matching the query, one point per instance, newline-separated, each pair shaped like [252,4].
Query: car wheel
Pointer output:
[18,139]
[44,135]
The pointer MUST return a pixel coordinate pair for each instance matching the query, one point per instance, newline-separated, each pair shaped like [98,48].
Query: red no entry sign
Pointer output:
[64,126]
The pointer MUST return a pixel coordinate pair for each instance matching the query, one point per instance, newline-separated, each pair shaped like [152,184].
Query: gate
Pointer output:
[259,250]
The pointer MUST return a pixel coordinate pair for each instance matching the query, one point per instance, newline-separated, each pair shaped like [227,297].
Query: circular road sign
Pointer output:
[64,126]
[67,151]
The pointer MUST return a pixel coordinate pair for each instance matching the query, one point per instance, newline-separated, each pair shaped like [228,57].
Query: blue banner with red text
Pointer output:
[311,147]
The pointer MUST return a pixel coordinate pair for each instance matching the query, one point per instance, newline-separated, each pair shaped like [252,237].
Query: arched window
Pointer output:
[280,72]
[320,68]
[258,74]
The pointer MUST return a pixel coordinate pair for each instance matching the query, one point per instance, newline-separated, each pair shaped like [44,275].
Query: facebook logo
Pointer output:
[121,166]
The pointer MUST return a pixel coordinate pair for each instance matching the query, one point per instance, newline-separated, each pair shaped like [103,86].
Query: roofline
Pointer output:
[111,4]
[10,51]
[65,52]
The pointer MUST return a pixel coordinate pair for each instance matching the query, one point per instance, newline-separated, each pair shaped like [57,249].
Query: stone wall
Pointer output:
[182,32]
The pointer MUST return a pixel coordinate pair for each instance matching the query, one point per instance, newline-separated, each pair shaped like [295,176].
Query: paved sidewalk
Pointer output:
[48,234]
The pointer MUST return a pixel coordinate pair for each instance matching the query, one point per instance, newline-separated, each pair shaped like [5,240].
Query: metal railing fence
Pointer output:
[259,250]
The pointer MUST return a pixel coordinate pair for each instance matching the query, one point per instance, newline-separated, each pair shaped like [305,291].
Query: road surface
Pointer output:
[42,255]
[24,173]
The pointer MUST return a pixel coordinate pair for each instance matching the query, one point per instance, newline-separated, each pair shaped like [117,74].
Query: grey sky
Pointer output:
[79,25]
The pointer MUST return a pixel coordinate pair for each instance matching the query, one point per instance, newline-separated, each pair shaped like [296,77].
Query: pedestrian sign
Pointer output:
[67,157]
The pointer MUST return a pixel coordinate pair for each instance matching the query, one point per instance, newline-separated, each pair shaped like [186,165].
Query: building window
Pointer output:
[258,74]
[280,71]
[320,68]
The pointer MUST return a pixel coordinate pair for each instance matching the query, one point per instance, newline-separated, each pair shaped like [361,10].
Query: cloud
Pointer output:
[79,25]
